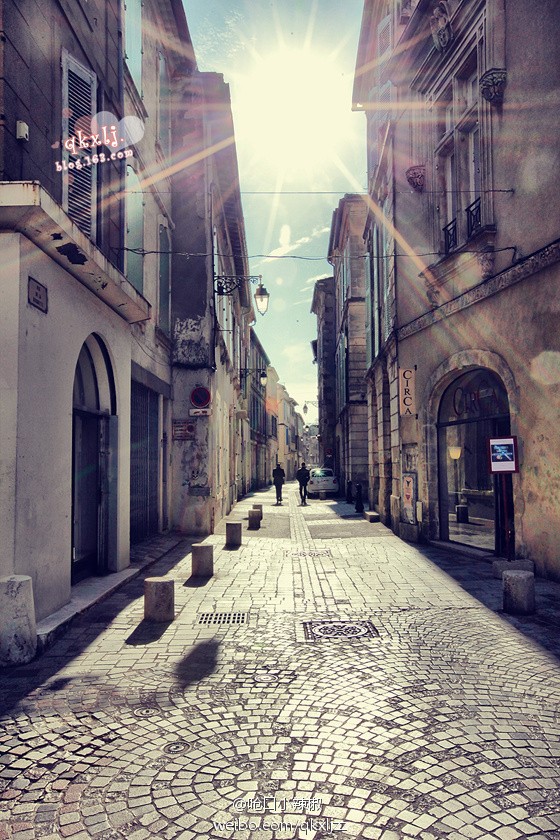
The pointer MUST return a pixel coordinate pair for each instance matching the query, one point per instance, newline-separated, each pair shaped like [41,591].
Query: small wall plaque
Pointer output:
[37,295]
[183,430]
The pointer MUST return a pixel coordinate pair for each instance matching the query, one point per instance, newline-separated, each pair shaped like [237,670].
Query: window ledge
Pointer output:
[465,266]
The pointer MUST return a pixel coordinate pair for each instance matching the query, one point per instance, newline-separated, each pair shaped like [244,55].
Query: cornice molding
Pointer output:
[509,277]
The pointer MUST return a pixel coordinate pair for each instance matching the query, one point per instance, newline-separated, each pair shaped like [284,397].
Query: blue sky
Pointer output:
[290,67]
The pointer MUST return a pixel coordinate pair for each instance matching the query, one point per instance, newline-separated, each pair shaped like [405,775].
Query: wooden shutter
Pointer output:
[164,264]
[79,186]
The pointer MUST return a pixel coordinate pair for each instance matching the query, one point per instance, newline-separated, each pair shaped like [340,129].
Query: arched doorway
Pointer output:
[94,437]
[474,507]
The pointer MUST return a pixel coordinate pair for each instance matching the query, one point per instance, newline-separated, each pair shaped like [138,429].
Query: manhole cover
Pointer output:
[176,747]
[336,630]
[268,676]
[145,712]
[223,618]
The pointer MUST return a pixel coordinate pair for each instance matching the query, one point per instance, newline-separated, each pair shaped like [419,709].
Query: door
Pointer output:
[144,462]
[90,497]
[476,507]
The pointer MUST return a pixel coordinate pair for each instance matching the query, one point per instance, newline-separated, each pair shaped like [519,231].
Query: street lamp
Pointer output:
[307,403]
[226,284]
[263,376]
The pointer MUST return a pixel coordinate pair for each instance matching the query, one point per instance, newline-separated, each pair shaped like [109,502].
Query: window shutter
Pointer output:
[134,230]
[79,186]
[164,263]
[384,42]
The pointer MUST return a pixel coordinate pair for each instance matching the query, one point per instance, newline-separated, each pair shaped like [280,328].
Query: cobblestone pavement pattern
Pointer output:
[330,681]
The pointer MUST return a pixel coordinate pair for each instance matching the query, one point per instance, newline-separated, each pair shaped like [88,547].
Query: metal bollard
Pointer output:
[359,501]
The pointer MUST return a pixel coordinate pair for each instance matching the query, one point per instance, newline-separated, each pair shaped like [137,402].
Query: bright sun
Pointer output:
[294,111]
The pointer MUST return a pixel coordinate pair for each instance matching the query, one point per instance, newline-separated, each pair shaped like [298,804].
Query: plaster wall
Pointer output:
[46,356]
[522,344]
[9,369]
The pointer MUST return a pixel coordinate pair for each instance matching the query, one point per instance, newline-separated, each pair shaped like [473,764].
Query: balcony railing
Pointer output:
[450,236]
[473,217]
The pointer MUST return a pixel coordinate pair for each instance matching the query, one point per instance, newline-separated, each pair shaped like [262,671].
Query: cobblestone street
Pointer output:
[330,681]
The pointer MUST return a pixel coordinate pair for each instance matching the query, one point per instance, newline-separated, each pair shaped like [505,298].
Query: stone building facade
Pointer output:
[323,306]
[111,318]
[347,256]
[464,270]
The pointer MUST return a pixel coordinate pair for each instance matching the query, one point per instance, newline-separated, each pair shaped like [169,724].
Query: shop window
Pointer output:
[474,508]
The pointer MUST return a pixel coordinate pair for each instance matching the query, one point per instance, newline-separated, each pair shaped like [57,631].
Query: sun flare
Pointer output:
[284,110]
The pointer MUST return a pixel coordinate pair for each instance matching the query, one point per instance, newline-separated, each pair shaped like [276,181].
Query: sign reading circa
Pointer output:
[407,392]
[502,455]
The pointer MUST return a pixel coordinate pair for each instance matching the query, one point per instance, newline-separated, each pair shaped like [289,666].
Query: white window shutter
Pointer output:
[79,186]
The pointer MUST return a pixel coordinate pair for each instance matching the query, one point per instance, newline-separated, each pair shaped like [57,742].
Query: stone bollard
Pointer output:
[259,508]
[519,592]
[202,560]
[159,599]
[254,520]
[233,534]
[18,631]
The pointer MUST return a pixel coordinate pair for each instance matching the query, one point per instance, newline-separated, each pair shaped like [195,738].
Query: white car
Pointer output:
[322,478]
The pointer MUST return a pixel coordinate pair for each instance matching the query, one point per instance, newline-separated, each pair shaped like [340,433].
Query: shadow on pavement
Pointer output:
[197,582]
[147,632]
[17,682]
[199,663]
[475,576]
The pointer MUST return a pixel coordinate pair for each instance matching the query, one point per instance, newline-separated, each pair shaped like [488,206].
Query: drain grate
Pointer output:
[317,552]
[338,630]
[223,618]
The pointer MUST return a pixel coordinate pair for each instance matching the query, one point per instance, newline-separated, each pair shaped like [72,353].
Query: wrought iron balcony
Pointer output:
[450,234]
[473,217]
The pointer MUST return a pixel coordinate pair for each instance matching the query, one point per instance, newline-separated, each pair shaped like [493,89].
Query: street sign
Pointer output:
[200,397]
[200,412]
[502,454]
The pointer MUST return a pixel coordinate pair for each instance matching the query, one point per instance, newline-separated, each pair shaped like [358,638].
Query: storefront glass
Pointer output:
[473,510]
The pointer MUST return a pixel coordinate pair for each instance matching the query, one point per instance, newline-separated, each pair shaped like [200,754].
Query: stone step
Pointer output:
[371,516]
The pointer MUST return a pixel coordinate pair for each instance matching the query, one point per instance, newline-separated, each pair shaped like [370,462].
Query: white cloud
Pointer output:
[286,247]
[312,280]
[297,354]
[285,236]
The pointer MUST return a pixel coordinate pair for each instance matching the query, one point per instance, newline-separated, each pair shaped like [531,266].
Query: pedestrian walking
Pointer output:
[303,475]
[278,478]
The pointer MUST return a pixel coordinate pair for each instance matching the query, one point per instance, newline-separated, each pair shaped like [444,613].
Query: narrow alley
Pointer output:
[330,681]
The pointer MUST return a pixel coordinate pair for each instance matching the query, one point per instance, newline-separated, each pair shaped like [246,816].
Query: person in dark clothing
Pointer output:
[278,477]
[303,475]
